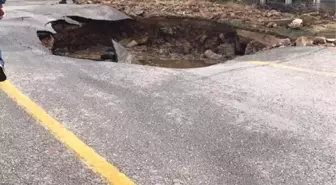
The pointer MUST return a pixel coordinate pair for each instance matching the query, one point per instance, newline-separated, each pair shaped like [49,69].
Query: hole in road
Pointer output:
[173,42]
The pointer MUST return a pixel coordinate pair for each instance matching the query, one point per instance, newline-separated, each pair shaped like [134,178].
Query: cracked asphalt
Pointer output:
[240,123]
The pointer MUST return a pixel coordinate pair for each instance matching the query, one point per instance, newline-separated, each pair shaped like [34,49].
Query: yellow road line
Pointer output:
[96,162]
[276,65]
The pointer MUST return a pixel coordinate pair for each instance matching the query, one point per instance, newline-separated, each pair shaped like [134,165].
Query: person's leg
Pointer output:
[3,76]
[2,63]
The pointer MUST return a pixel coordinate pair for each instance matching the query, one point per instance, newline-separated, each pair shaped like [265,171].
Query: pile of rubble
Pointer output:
[189,31]
[242,17]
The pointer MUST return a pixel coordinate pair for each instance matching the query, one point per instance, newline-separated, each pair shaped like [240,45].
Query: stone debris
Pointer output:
[296,23]
[132,44]
[212,55]
[272,13]
[301,41]
[272,25]
[331,40]
[285,42]
[329,45]
[254,47]
[227,50]
[319,40]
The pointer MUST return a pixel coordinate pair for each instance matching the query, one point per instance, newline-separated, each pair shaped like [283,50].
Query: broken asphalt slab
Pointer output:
[234,123]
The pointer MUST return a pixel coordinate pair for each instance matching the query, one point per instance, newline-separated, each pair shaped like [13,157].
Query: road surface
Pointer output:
[264,119]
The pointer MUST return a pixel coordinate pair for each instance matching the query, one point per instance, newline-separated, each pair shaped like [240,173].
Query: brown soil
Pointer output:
[182,34]
[156,39]
[241,16]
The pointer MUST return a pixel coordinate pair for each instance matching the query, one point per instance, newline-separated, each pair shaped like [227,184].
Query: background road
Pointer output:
[244,122]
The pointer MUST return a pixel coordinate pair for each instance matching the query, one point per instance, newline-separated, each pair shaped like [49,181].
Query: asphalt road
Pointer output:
[257,120]
[31,155]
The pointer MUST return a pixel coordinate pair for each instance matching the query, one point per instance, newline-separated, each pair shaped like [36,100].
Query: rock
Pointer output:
[203,38]
[222,37]
[48,42]
[211,43]
[285,42]
[227,50]
[128,11]
[61,26]
[310,42]
[275,13]
[308,19]
[296,23]
[301,41]
[61,51]
[167,30]
[282,22]
[132,44]
[216,16]
[331,41]
[325,16]
[212,55]
[143,40]
[314,13]
[271,25]
[286,14]
[122,54]
[162,51]
[329,45]
[265,39]
[272,13]
[319,40]
[187,48]
[253,47]
[124,42]
[240,45]
[139,12]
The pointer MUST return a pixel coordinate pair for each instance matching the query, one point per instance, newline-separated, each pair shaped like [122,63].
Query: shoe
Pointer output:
[3,76]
